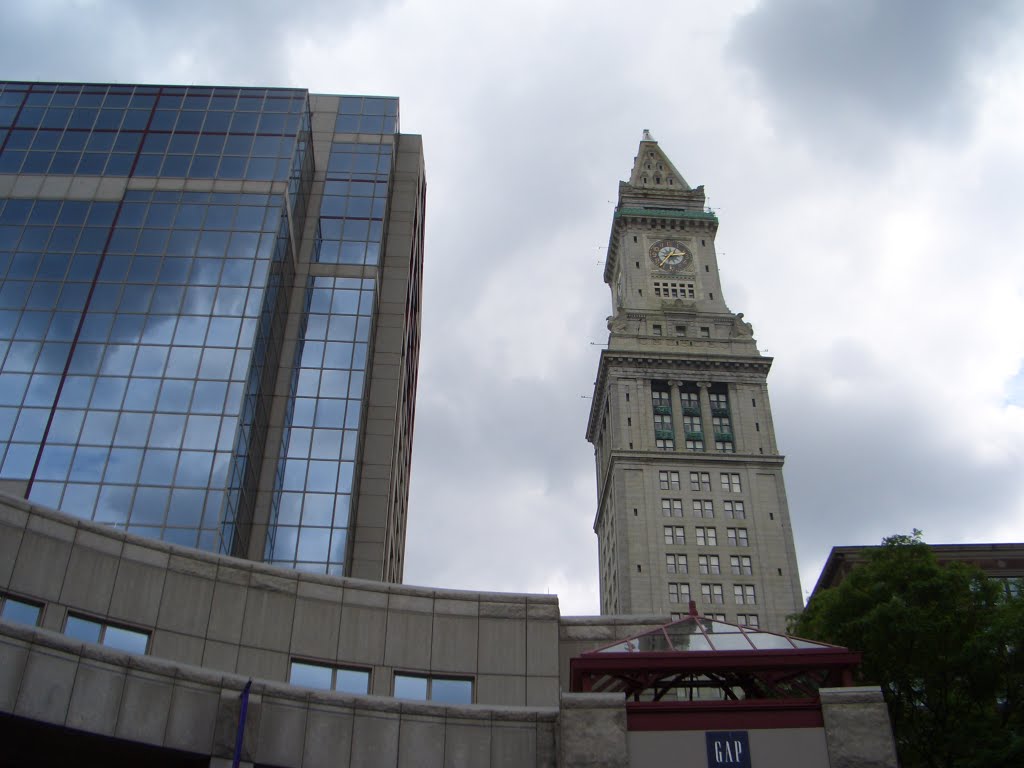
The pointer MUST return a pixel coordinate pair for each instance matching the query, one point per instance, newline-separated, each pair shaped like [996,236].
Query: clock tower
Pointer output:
[691,502]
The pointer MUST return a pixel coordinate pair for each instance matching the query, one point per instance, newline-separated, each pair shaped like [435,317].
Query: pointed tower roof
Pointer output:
[652,168]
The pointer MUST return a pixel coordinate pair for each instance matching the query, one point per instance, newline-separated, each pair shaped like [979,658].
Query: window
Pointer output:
[446,690]
[705,332]
[745,594]
[675,563]
[328,678]
[679,593]
[664,435]
[708,564]
[110,635]
[734,510]
[748,620]
[680,330]
[672,507]
[707,537]
[689,398]
[675,534]
[703,508]
[674,289]
[731,482]
[700,481]
[715,616]
[694,435]
[19,611]
[741,565]
[668,481]
[712,593]
[656,329]
[737,537]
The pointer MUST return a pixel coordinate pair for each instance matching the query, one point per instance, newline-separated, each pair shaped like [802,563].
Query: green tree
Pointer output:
[946,645]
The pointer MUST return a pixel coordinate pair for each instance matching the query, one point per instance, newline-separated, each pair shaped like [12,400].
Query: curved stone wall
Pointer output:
[48,678]
[236,616]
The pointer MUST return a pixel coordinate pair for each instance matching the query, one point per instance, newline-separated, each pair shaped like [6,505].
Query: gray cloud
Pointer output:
[230,41]
[851,77]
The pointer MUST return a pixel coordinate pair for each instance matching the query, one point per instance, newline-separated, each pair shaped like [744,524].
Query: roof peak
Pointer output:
[653,170]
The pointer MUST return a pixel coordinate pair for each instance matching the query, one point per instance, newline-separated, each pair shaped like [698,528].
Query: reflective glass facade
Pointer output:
[154,253]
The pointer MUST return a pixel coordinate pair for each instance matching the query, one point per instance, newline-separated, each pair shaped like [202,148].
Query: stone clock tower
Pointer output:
[691,502]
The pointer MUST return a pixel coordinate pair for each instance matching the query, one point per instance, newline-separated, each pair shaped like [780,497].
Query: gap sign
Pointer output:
[728,749]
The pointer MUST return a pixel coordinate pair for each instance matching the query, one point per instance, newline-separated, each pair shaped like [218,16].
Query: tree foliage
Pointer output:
[945,643]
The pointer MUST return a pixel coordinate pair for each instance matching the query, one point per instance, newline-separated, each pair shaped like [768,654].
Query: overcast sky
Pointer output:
[866,160]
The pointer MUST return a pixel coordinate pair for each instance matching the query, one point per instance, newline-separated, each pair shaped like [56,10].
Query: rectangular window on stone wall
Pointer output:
[329,678]
[111,635]
[734,510]
[672,507]
[444,690]
[19,611]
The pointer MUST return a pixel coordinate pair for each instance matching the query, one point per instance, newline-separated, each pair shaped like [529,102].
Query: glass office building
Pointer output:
[195,283]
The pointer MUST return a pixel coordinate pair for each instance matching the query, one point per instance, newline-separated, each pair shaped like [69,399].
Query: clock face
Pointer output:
[671,255]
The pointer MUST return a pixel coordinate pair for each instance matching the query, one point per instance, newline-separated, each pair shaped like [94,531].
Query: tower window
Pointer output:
[664,434]
[679,593]
[680,330]
[721,423]
[703,508]
[712,593]
[702,242]
[656,329]
[675,564]
[674,289]
[706,537]
[707,268]
[737,537]
[700,481]
[734,510]
[668,480]
[705,332]
[741,566]
[675,534]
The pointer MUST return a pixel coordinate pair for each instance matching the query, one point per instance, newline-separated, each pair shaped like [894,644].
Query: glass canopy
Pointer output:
[693,633]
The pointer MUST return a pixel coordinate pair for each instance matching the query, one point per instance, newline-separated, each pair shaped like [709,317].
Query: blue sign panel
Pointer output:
[728,749]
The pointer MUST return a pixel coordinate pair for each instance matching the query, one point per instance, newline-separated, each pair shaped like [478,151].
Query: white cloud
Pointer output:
[867,177]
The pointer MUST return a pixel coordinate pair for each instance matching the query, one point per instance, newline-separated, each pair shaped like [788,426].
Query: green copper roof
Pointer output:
[665,212]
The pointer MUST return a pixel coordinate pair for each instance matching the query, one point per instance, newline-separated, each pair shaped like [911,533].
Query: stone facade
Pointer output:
[691,500]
